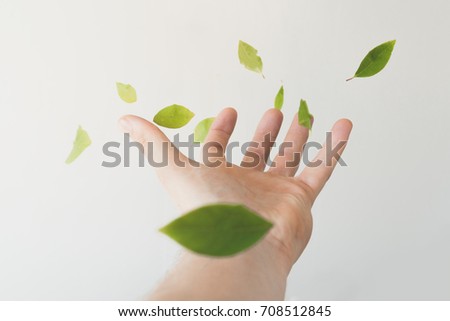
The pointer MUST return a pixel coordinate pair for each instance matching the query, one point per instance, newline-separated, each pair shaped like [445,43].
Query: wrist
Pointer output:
[265,257]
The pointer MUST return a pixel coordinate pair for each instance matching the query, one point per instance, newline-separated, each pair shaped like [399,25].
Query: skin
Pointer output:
[277,194]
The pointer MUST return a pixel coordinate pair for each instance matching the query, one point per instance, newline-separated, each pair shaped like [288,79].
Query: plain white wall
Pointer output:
[88,232]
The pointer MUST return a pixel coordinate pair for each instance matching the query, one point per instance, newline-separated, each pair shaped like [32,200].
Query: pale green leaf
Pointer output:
[82,141]
[304,117]
[202,129]
[375,60]
[218,229]
[126,92]
[248,56]
[174,116]
[279,98]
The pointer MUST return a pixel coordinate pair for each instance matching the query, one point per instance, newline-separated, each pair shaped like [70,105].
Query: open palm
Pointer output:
[276,193]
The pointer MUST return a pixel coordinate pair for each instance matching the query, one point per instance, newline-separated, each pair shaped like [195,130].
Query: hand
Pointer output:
[276,194]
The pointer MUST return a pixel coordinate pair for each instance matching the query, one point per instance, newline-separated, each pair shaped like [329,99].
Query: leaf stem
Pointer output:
[349,78]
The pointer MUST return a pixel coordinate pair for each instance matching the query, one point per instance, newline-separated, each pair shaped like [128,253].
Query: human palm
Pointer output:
[276,194]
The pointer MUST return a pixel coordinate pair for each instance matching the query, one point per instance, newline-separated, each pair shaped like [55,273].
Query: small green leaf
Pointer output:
[375,60]
[218,229]
[202,129]
[279,98]
[82,141]
[174,116]
[126,92]
[304,117]
[248,56]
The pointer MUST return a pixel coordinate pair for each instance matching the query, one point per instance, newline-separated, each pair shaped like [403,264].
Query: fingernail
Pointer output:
[125,125]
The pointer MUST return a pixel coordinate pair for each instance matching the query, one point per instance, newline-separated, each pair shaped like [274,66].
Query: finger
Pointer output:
[220,132]
[287,161]
[265,135]
[158,149]
[317,173]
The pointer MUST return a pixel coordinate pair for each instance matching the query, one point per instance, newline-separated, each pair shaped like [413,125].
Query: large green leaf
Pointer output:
[174,116]
[304,117]
[82,141]
[218,229]
[279,98]
[126,92]
[375,60]
[202,129]
[248,56]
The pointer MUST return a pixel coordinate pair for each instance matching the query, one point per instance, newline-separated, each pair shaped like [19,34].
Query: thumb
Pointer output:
[157,147]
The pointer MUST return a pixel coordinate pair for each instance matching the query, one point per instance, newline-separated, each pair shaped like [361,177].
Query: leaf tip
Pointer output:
[268,224]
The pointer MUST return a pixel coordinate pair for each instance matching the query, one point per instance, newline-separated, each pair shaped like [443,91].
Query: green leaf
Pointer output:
[375,60]
[218,229]
[279,98]
[82,141]
[202,129]
[248,56]
[174,116]
[304,117]
[126,92]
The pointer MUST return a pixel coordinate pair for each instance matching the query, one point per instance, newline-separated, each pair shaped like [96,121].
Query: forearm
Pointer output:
[257,274]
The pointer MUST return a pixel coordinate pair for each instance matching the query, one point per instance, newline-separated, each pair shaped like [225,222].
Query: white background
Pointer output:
[88,232]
